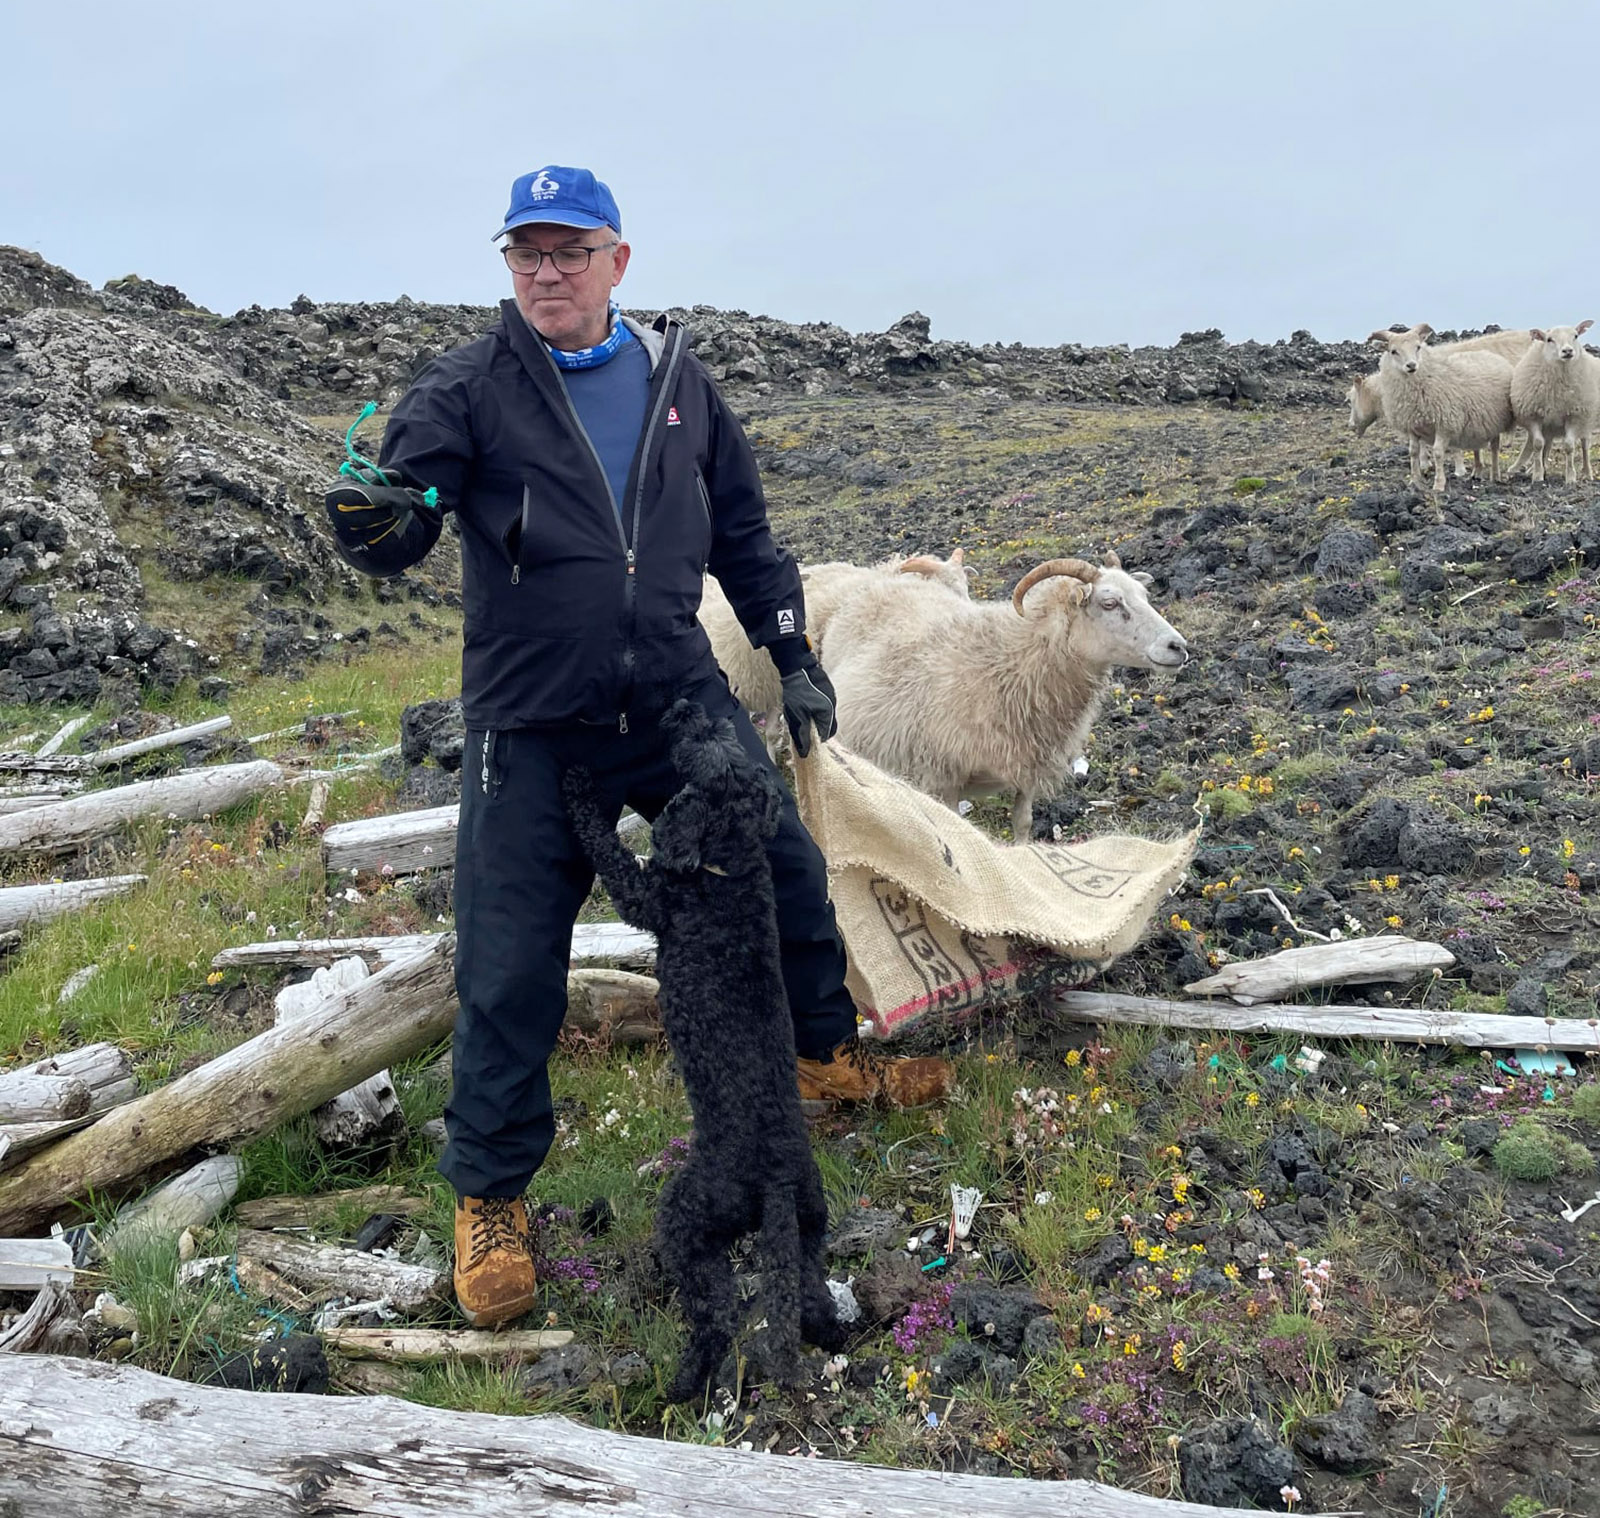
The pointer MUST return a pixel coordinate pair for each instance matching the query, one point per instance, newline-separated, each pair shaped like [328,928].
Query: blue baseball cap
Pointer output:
[564,197]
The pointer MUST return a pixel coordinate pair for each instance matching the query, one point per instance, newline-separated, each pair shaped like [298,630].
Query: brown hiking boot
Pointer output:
[494,1259]
[858,1072]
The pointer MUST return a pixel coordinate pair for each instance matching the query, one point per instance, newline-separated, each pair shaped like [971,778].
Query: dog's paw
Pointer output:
[824,1330]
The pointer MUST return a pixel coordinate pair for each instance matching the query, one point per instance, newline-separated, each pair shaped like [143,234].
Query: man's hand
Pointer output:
[382,529]
[809,701]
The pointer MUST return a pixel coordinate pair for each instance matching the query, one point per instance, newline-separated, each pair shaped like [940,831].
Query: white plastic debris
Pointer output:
[1308,1060]
[202,1272]
[332,1314]
[963,806]
[964,1207]
[1572,1214]
[76,981]
[1080,767]
[845,1306]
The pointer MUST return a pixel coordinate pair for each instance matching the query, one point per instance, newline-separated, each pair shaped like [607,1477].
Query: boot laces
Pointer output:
[871,1062]
[494,1226]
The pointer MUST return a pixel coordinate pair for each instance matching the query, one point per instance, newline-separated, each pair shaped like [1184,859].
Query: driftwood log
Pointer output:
[104,1068]
[49,1326]
[188,1200]
[369,1112]
[404,841]
[79,1436]
[39,903]
[62,826]
[29,1098]
[52,744]
[614,1006]
[1355,961]
[122,752]
[324,1206]
[407,1346]
[1405,1025]
[324,1271]
[254,1087]
[590,940]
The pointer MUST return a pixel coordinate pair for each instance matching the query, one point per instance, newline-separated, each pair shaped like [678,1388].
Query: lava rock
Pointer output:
[295,1363]
[1235,1462]
[865,1230]
[1040,1338]
[1420,580]
[888,1286]
[1344,1440]
[1528,998]
[1560,1353]
[998,1314]
[1168,1066]
[433,730]
[569,1368]
[1344,553]
[1431,846]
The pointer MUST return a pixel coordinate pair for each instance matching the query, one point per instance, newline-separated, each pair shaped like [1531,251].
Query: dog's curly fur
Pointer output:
[706,893]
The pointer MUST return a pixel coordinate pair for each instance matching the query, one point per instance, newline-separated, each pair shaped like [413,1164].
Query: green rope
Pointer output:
[358,466]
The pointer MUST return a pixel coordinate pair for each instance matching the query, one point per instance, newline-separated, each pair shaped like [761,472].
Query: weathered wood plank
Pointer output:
[308,1211]
[268,1079]
[402,1346]
[122,752]
[80,1436]
[403,841]
[52,744]
[24,1138]
[20,905]
[1353,961]
[590,940]
[64,825]
[615,1006]
[1415,1025]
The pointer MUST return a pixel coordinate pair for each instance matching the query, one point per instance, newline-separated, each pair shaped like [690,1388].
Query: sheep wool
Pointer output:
[1555,392]
[1450,400]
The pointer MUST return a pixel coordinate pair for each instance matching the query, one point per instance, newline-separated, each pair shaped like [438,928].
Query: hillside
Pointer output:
[1391,725]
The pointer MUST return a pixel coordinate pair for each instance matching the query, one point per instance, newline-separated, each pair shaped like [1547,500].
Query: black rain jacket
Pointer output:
[571,613]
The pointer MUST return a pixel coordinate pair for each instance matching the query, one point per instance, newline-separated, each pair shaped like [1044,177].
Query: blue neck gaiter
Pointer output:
[590,358]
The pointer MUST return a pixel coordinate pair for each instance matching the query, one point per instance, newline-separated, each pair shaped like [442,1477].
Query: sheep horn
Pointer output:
[1112,560]
[921,565]
[1078,569]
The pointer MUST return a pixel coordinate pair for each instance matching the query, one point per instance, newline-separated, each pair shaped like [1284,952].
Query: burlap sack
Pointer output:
[939,919]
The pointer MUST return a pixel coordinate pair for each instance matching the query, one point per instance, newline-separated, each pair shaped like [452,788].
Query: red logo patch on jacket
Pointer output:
[672,416]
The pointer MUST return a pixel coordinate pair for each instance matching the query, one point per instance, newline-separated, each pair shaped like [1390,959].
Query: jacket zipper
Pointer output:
[705,498]
[670,365]
[670,361]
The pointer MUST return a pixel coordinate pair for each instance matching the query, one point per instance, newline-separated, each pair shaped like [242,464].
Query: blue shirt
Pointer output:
[610,401]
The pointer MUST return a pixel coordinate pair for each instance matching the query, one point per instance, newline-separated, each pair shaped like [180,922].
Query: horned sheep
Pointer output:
[1448,400]
[973,696]
[753,677]
[1555,390]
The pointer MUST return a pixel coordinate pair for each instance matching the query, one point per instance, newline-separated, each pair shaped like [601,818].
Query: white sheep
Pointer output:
[753,677]
[1458,399]
[969,697]
[1555,390]
[1366,390]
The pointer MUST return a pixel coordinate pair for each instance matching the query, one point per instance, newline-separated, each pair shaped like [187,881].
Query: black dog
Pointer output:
[706,894]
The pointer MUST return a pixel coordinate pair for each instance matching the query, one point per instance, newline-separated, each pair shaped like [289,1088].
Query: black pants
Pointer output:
[521,879]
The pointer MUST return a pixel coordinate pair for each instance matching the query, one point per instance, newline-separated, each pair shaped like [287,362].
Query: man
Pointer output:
[595,473]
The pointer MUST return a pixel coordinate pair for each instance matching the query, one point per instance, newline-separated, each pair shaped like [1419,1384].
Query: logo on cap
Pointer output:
[543,186]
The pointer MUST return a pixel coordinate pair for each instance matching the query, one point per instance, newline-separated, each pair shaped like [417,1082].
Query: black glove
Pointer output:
[382,529]
[809,701]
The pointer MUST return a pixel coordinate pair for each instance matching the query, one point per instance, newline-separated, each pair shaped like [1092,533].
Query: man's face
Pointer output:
[569,310]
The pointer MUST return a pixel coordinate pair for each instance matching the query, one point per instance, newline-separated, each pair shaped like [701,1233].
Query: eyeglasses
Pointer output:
[567,260]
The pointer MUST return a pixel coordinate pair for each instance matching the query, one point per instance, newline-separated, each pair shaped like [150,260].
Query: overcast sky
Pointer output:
[1043,173]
